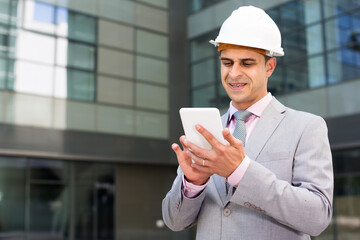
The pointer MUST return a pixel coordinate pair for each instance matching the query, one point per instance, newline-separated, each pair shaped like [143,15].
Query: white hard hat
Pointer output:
[251,27]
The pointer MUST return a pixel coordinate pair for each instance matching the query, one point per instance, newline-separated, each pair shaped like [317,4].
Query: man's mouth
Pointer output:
[237,86]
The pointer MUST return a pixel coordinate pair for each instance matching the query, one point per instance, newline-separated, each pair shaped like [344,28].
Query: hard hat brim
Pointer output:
[270,53]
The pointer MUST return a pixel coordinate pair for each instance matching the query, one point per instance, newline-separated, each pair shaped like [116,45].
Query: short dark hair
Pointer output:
[267,58]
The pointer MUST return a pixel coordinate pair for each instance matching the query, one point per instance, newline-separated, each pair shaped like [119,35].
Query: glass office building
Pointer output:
[89,98]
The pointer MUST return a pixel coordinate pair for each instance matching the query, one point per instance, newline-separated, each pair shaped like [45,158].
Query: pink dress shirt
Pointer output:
[191,190]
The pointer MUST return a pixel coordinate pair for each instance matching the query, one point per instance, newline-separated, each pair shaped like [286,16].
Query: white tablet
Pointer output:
[209,118]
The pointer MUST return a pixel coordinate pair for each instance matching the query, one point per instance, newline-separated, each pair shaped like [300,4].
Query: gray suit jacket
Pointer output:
[285,194]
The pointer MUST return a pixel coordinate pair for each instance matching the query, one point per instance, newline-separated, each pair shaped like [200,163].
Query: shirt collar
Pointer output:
[257,108]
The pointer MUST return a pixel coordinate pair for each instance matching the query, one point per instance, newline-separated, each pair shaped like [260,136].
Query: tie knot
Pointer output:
[242,115]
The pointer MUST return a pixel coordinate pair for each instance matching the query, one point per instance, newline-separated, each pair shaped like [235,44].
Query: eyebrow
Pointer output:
[242,59]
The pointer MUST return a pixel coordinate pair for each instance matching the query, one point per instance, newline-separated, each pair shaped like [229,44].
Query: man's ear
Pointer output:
[270,66]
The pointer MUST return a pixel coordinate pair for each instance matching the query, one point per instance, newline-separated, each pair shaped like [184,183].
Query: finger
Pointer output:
[178,152]
[183,142]
[196,159]
[198,151]
[207,135]
[231,139]
[201,168]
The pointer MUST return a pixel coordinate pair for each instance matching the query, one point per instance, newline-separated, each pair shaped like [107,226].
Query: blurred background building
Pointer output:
[89,98]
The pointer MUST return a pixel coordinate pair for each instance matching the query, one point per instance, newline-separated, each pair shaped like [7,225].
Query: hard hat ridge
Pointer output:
[251,27]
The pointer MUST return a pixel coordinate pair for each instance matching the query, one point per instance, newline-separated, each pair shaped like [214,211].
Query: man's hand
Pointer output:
[191,174]
[221,159]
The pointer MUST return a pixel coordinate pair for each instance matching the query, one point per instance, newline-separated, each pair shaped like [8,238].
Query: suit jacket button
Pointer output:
[227,212]
[247,204]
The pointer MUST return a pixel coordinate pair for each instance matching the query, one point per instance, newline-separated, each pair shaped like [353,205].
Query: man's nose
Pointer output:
[236,71]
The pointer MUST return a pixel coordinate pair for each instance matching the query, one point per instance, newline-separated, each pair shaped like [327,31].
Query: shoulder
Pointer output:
[297,117]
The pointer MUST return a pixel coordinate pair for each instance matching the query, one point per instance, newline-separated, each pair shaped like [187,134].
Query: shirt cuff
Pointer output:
[192,190]
[235,178]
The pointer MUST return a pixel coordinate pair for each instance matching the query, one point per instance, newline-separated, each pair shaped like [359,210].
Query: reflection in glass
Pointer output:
[203,73]
[347,194]
[49,211]
[200,47]
[296,76]
[204,97]
[39,16]
[33,78]
[3,73]
[76,26]
[80,85]
[56,171]
[316,68]
[12,197]
[94,201]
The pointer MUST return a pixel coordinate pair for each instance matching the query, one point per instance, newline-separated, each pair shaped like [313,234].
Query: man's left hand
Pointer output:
[221,159]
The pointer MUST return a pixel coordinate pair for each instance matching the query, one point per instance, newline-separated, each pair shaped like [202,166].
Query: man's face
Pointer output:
[244,76]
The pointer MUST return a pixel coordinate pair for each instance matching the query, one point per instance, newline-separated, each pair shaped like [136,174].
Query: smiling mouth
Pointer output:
[237,85]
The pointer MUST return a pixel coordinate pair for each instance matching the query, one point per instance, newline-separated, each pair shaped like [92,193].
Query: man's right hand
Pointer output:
[192,175]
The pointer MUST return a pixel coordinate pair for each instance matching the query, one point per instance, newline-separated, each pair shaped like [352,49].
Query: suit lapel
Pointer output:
[268,122]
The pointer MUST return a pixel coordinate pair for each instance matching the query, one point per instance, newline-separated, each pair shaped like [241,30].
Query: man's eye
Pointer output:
[227,63]
[247,64]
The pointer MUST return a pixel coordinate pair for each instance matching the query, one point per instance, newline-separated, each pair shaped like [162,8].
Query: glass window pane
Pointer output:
[295,45]
[316,69]
[34,78]
[55,171]
[312,11]
[314,39]
[332,34]
[39,16]
[149,124]
[204,97]
[3,73]
[94,201]
[203,73]
[81,56]
[336,7]
[4,11]
[12,196]
[82,27]
[49,211]
[81,85]
[152,97]
[152,44]
[150,69]
[340,32]
[296,76]
[35,47]
[201,48]
[292,15]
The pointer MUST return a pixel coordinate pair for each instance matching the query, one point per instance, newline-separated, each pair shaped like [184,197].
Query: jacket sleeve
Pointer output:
[178,211]
[305,203]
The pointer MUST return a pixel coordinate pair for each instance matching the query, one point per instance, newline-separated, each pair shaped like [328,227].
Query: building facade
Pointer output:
[89,98]
[85,119]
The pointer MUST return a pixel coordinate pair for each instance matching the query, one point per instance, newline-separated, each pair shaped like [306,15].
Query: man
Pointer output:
[280,185]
